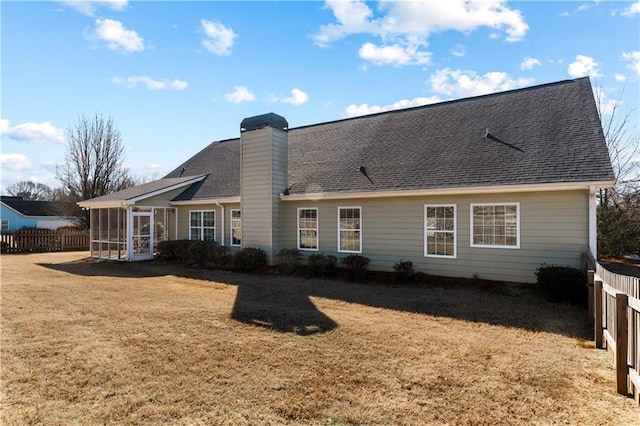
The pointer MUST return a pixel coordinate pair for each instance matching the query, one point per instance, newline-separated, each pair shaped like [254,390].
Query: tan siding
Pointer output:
[263,176]
[553,230]
[183,219]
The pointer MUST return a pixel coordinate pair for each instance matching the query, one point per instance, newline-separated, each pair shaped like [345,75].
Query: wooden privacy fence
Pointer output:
[616,313]
[44,240]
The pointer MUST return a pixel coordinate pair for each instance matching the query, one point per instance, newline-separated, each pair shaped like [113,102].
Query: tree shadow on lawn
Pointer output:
[283,303]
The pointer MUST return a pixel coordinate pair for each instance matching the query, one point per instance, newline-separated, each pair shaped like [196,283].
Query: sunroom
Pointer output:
[129,224]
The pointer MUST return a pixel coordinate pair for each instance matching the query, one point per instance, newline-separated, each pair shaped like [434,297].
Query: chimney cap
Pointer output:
[265,120]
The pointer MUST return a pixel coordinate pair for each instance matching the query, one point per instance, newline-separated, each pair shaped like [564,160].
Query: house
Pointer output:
[17,213]
[489,186]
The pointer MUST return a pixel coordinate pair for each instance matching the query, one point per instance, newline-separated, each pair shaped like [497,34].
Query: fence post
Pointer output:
[622,341]
[590,290]
[597,309]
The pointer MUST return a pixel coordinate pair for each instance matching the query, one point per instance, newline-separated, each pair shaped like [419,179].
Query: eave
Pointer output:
[560,186]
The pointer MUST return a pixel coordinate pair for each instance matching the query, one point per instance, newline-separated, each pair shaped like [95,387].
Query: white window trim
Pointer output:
[455,231]
[231,228]
[202,227]
[361,227]
[317,229]
[515,247]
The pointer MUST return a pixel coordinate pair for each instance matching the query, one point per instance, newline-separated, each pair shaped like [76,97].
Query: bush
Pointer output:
[222,255]
[289,260]
[173,250]
[404,271]
[562,284]
[200,252]
[356,266]
[249,259]
[321,265]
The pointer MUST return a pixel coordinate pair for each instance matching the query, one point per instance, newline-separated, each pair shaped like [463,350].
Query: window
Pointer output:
[440,230]
[495,225]
[308,229]
[349,229]
[236,228]
[5,225]
[202,225]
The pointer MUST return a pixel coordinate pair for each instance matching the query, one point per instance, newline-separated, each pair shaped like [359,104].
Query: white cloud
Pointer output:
[529,63]
[14,162]
[634,61]
[364,109]
[393,55]
[298,97]
[620,77]
[459,50]
[460,84]
[240,94]
[118,38]
[405,26]
[89,7]
[163,84]
[32,132]
[583,66]
[218,38]
[634,9]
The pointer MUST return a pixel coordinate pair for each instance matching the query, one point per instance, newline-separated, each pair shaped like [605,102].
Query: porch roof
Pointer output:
[130,196]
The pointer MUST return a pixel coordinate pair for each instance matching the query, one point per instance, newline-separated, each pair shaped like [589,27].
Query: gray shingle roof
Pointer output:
[549,133]
[31,208]
[543,134]
[166,183]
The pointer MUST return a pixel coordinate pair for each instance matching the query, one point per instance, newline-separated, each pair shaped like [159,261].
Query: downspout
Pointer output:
[593,222]
[222,221]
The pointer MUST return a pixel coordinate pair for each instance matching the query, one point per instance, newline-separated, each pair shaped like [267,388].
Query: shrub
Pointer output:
[249,259]
[321,265]
[404,271]
[562,284]
[173,250]
[221,255]
[200,252]
[289,260]
[356,266]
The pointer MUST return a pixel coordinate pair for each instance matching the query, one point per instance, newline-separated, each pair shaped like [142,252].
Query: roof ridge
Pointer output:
[447,102]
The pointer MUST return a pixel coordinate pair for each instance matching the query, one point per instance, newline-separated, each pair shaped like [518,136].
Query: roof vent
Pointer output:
[262,121]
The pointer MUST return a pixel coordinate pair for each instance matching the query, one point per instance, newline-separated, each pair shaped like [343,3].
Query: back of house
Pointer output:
[490,186]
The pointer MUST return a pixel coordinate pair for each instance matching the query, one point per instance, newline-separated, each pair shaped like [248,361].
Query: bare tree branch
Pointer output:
[94,162]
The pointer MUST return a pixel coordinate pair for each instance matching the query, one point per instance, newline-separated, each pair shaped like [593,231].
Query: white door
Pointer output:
[142,236]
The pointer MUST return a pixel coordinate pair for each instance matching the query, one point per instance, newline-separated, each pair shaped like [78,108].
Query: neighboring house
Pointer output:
[490,186]
[17,213]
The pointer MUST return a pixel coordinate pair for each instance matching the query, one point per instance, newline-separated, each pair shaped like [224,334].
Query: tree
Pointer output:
[32,191]
[94,162]
[619,207]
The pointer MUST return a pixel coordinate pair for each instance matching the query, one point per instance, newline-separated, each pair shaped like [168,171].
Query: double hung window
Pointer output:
[440,230]
[236,227]
[350,229]
[308,228]
[202,225]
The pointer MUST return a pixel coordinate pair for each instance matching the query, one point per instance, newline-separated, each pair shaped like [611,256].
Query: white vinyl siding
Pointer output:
[236,227]
[440,230]
[308,229]
[495,225]
[350,229]
[202,225]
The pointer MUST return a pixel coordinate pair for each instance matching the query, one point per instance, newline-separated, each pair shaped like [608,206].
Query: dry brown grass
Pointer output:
[88,342]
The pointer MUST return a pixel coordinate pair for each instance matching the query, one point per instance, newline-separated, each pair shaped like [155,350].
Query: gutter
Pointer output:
[562,186]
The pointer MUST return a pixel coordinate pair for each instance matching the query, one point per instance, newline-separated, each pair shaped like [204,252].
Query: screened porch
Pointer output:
[131,233]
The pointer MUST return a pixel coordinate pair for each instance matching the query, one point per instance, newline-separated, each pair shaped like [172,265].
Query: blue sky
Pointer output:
[176,76]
